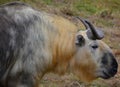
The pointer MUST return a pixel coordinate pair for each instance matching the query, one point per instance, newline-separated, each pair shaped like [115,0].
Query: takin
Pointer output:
[33,43]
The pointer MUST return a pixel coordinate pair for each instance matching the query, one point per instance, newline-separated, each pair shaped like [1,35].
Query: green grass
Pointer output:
[80,7]
[102,9]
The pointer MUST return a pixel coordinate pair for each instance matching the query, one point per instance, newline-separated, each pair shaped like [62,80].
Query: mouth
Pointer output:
[106,75]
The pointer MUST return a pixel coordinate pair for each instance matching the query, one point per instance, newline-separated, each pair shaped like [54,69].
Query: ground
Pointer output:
[104,14]
[69,80]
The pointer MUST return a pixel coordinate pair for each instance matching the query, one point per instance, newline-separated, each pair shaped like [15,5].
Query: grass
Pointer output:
[84,8]
[102,9]
[103,13]
[53,80]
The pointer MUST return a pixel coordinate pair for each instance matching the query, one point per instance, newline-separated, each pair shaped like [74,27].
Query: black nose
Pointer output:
[110,65]
[114,67]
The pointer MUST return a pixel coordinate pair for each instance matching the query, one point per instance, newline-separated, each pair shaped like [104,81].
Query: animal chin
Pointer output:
[105,75]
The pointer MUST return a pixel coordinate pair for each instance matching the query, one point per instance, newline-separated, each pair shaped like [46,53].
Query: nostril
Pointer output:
[115,66]
[114,63]
[113,71]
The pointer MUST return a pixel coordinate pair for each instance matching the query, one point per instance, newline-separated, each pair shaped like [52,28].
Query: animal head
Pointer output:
[93,58]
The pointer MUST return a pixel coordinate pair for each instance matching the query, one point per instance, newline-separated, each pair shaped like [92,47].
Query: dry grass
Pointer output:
[104,14]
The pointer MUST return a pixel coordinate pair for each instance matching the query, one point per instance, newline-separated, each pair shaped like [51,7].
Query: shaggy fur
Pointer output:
[33,43]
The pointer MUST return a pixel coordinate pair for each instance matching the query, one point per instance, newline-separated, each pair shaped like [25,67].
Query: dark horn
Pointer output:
[83,21]
[98,34]
[92,33]
[89,33]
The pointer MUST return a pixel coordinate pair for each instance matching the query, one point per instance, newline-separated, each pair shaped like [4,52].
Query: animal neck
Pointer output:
[63,51]
[62,39]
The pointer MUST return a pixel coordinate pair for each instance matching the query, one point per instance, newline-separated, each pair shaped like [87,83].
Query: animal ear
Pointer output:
[80,41]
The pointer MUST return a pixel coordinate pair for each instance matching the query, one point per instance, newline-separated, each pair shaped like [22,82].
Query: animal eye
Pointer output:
[95,46]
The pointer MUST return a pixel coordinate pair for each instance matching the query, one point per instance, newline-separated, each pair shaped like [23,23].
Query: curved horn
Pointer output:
[92,33]
[98,34]
[83,21]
